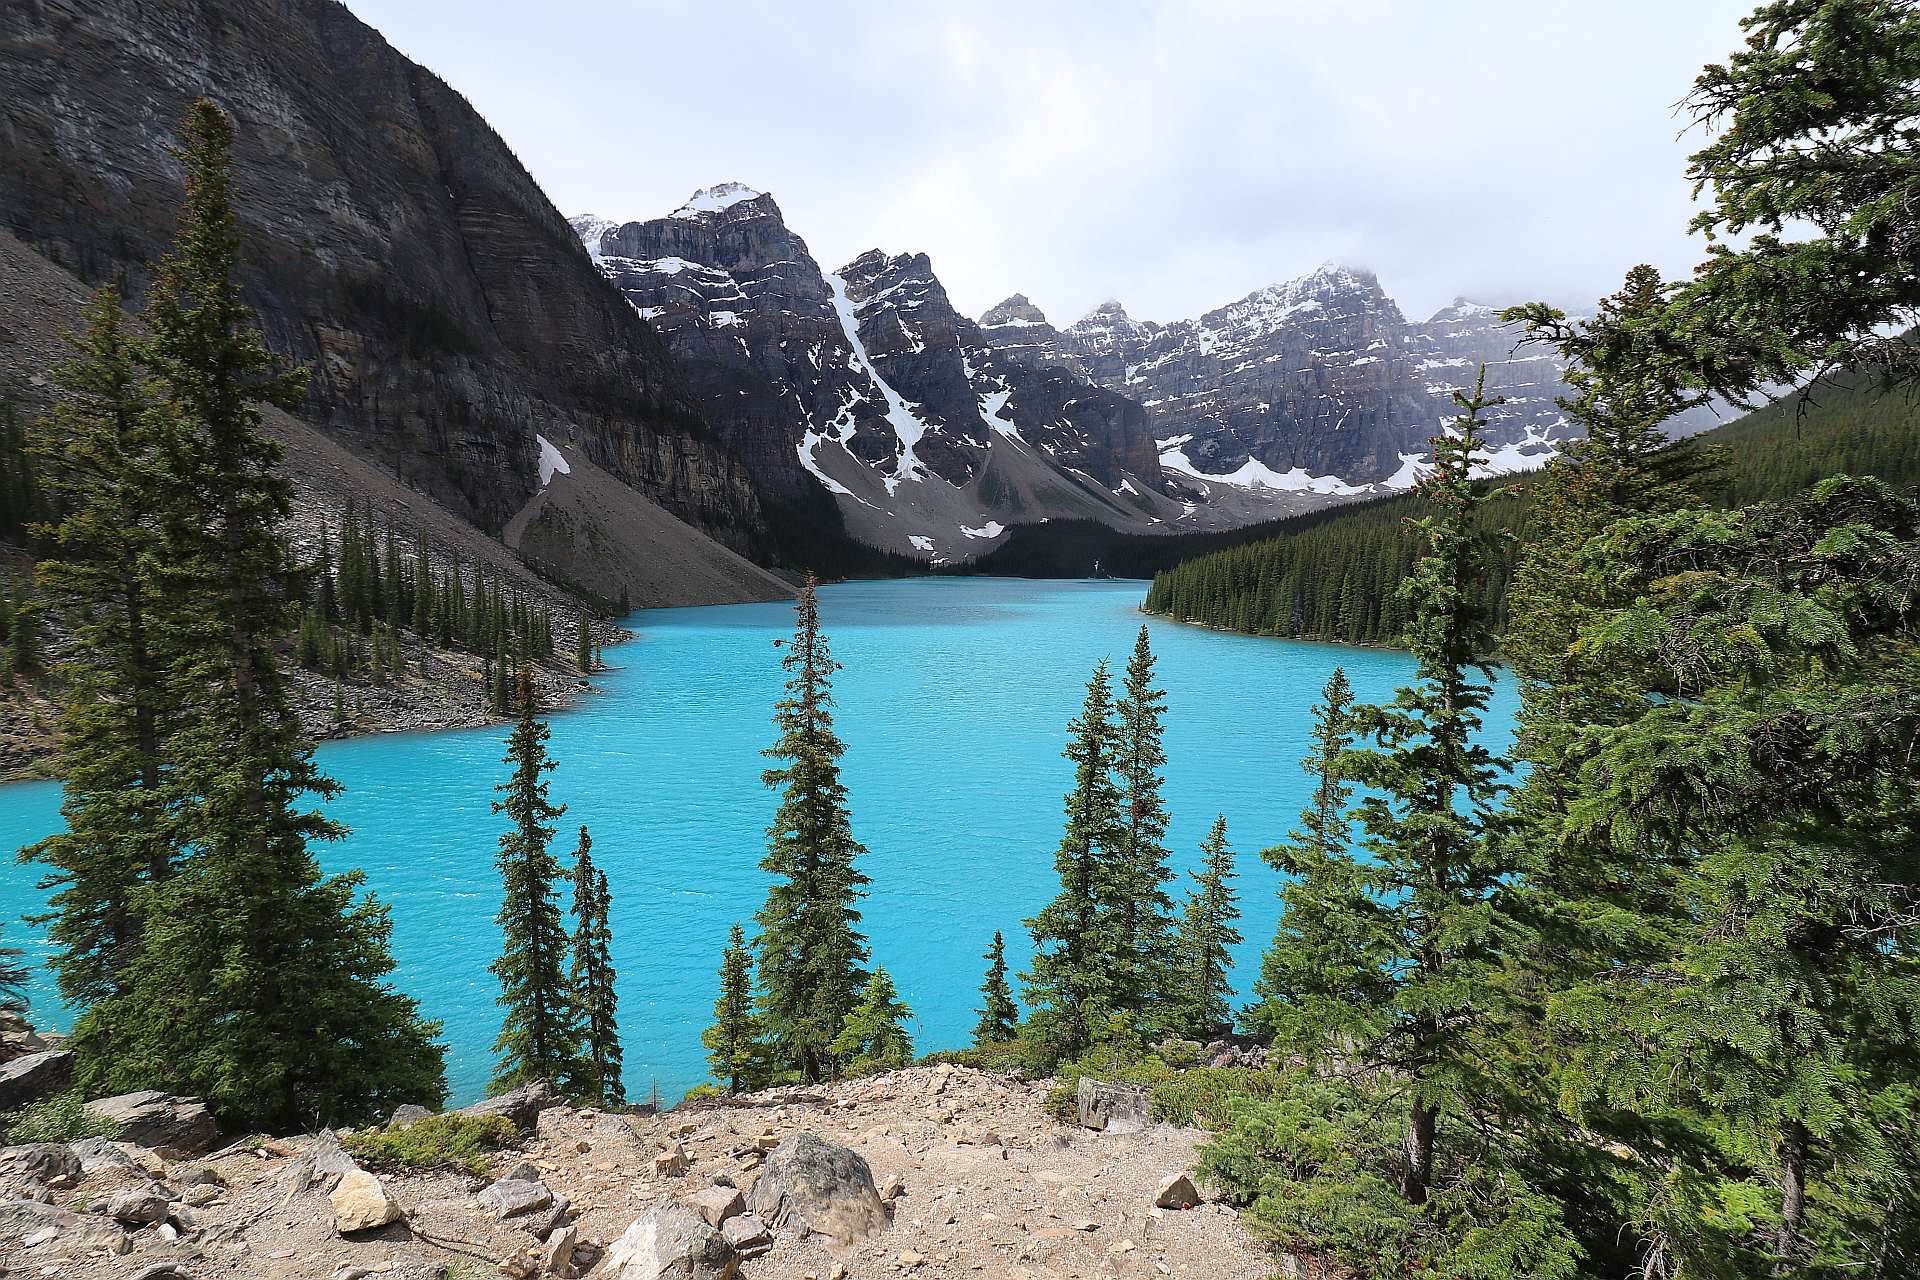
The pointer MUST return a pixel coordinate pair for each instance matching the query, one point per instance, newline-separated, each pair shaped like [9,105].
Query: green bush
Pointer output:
[61,1118]
[1204,1096]
[1015,1055]
[450,1141]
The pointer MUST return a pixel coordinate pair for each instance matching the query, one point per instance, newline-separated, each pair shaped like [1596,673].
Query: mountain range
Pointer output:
[936,432]
[722,404]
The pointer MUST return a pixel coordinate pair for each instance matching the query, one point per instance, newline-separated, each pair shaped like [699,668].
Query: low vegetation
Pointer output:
[448,1141]
[60,1118]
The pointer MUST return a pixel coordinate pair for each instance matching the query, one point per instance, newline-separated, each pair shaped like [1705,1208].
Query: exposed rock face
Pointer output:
[33,1076]
[1319,385]
[671,1242]
[149,1118]
[392,244]
[868,382]
[1115,1108]
[811,1183]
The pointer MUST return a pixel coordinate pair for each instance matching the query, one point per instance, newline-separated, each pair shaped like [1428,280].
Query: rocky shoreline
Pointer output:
[932,1171]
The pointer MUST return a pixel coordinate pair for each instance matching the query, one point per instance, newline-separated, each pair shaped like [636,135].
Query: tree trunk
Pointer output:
[1793,1195]
[1419,1172]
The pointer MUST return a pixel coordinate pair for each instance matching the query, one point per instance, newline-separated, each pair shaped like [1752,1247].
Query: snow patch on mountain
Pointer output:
[1255,474]
[907,425]
[715,199]
[551,460]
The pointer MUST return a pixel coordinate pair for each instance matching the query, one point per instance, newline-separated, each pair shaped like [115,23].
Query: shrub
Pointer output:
[60,1118]
[450,1141]
[1018,1055]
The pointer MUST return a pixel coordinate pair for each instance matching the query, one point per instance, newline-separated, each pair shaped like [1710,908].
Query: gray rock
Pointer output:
[406,1115]
[162,1271]
[137,1206]
[558,1256]
[150,1118]
[1115,1108]
[201,1194]
[192,1175]
[514,1197]
[46,1162]
[34,1076]
[747,1234]
[77,1231]
[96,1154]
[671,1242]
[545,1224]
[323,1164]
[522,1105]
[808,1182]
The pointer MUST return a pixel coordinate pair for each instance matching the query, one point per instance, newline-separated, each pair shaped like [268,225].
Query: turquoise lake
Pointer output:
[953,703]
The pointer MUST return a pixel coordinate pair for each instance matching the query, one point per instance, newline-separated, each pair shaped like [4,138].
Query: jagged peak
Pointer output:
[1016,309]
[1463,308]
[716,199]
[1107,315]
[592,229]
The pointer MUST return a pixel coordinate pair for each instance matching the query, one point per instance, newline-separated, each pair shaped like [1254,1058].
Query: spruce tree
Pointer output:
[999,1015]
[1144,942]
[423,598]
[259,983]
[1070,985]
[810,946]
[874,1036]
[540,1032]
[1321,980]
[734,1048]
[114,712]
[593,981]
[583,643]
[1203,985]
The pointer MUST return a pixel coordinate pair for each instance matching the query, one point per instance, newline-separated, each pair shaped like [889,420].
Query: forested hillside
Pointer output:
[1335,576]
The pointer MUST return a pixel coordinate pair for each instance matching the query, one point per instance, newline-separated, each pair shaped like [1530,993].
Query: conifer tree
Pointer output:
[593,981]
[810,946]
[1143,911]
[1069,986]
[1320,981]
[114,717]
[999,1015]
[874,1037]
[423,598]
[734,1049]
[397,613]
[1203,985]
[583,643]
[540,1033]
[1428,812]
[259,982]
[326,597]
[23,641]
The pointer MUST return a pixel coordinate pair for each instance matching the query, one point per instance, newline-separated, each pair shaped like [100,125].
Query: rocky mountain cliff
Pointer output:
[868,381]
[1319,385]
[392,244]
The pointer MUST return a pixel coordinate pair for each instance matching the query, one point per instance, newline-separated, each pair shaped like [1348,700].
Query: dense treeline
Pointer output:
[1337,579]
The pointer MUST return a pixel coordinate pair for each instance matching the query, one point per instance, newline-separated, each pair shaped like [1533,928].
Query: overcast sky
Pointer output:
[1173,155]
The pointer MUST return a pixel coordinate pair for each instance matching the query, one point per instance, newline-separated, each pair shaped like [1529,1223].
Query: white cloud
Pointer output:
[1175,156]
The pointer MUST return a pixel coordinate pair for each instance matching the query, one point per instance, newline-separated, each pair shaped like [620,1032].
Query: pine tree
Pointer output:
[593,981]
[540,1033]
[1204,985]
[810,946]
[874,1037]
[1069,987]
[583,643]
[423,596]
[1429,795]
[259,983]
[396,614]
[734,1048]
[1320,981]
[113,712]
[1144,943]
[326,598]
[23,641]
[999,1015]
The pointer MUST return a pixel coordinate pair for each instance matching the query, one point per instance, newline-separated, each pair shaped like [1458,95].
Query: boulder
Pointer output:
[33,1076]
[77,1231]
[361,1203]
[96,1154]
[1115,1108]
[515,1197]
[716,1204]
[747,1234]
[522,1105]
[808,1182]
[150,1118]
[1176,1192]
[672,1162]
[406,1115]
[46,1162]
[558,1256]
[190,1175]
[671,1242]
[322,1164]
[137,1206]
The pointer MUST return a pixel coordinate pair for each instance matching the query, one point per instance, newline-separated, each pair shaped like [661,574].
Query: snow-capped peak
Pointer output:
[716,199]
[591,228]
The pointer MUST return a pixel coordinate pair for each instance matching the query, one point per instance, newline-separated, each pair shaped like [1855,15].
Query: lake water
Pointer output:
[953,703]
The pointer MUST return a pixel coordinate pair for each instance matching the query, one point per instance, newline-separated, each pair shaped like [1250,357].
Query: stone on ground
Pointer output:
[811,1183]
[671,1242]
[522,1105]
[33,1076]
[149,1118]
[717,1204]
[1177,1192]
[1115,1108]
[361,1203]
